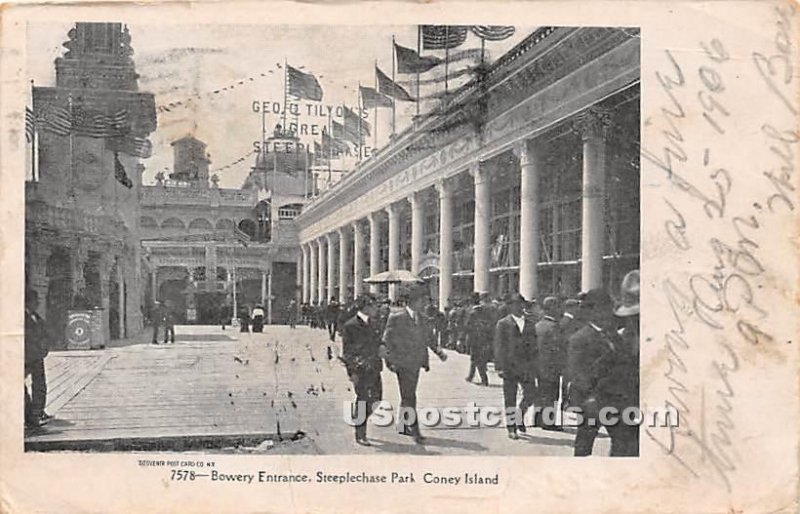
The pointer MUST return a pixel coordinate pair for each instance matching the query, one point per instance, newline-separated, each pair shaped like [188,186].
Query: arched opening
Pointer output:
[200,224]
[224,224]
[248,226]
[148,222]
[59,292]
[264,217]
[173,223]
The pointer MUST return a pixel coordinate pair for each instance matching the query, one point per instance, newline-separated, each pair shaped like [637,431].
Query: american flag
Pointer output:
[132,145]
[303,85]
[30,124]
[439,37]
[54,119]
[493,32]
[98,125]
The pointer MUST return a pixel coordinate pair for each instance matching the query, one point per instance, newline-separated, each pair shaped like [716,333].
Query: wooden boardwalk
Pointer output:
[214,388]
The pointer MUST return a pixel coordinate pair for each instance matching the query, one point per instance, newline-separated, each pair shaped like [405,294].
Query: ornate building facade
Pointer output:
[81,237]
[527,179]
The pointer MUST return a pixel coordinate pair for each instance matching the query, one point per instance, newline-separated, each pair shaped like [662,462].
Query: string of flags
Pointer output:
[235,162]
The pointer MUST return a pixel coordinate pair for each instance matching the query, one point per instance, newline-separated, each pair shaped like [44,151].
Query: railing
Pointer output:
[68,219]
[159,195]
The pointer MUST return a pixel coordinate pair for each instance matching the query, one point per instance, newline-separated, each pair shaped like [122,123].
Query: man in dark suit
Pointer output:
[169,322]
[332,317]
[552,357]
[407,337]
[479,329]
[362,351]
[36,349]
[586,346]
[515,359]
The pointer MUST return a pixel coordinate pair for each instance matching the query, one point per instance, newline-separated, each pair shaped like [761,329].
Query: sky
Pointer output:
[179,61]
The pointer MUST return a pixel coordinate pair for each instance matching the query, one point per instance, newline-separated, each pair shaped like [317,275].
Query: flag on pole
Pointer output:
[493,32]
[131,145]
[98,125]
[390,88]
[120,174]
[372,98]
[30,124]
[303,85]
[347,133]
[409,61]
[353,121]
[333,145]
[54,119]
[441,37]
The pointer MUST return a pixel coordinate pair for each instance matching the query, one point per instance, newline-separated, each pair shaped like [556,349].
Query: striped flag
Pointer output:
[96,124]
[390,88]
[409,61]
[372,98]
[493,32]
[54,119]
[440,37]
[30,124]
[303,85]
[131,145]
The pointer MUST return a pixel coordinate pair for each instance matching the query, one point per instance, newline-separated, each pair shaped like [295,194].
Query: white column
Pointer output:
[304,274]
[445,189]
[530,163]
[374,249]
[358,257]
[263,288]
[331,266]
[483,207]
[417,229]
[591,125]
[269,297]
[313,274]
[154,283]
[394,245]
[321,270]
[344,265]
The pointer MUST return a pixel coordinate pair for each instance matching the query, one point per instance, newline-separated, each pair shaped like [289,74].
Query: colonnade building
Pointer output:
[526,179]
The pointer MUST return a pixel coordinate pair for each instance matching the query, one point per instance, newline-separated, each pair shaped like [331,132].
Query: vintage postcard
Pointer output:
[399,257]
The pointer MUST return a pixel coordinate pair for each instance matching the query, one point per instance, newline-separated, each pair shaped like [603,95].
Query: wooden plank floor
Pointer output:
[222,384]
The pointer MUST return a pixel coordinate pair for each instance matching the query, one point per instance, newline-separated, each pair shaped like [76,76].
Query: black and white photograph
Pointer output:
[379,256]
[332,240]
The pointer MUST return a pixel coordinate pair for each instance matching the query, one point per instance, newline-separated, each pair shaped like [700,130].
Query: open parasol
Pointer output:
[394,276]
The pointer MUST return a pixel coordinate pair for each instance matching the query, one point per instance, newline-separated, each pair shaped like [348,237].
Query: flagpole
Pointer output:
[360,138]
[71,151]
[330,143]
[305,175]
[33,139]
[264,144]
[375,133]
[419,53]
[446,56]
[285,91]
[393,103]
[483,48]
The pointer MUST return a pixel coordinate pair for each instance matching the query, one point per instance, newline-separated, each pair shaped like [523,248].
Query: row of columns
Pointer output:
[590,125]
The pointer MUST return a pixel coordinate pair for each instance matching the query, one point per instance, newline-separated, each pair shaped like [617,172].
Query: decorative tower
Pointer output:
[190,162]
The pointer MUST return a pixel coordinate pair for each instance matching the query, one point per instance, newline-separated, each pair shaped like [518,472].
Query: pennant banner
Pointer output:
[371,98]
[493,32]
[388,87]
[303,85]
[409,61]
[440,37]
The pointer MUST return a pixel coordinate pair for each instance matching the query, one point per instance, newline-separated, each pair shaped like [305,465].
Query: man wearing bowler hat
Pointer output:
[362,350]
[552,356]
[515,356]
[407,337]
[586,346]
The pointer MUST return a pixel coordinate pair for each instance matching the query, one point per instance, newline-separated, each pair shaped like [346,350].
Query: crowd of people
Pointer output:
[580,353]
